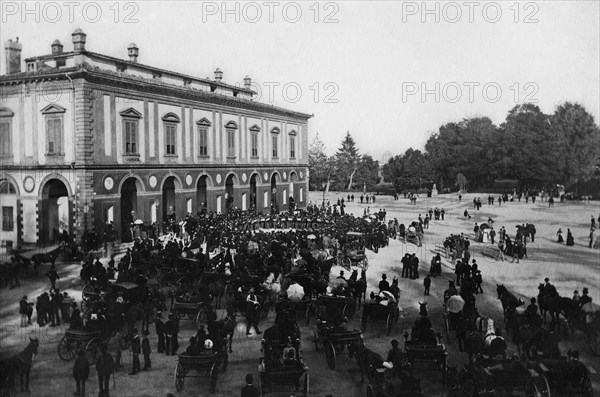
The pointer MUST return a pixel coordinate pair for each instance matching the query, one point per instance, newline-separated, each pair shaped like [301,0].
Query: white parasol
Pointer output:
[338,282]
[387,295]
[295,292]
[138,222]
[455,304]
[312,237]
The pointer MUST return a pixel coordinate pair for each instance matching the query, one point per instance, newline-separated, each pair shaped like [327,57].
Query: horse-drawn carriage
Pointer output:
[386,382]
[411,234]
[423,352]
[566,376]
[501,378]
[207,364]
[237,290]
[281,362]
[335,306]
[380,312]
[353,252]
[336,339]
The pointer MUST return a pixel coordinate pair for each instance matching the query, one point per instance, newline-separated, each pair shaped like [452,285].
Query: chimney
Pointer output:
[57,49]
[247,82]
[218,74]
[78,40]
[133,52]
[13,56]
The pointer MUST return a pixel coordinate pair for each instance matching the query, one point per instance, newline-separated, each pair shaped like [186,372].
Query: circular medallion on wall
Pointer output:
[152,181]
[244,177]
[109,183]
[284,175]
[301,175]
[188,179]
[265,177]
[28,184]
[218,178]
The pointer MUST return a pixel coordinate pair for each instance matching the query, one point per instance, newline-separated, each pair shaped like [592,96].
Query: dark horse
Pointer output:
[20,364]
[509,301]
[367,359]
[550,301]
[358,286]
[225,328]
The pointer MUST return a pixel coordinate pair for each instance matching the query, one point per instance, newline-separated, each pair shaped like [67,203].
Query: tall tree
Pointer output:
[347,161]
[367,174]
[579,141]
[319,164]
[409,170]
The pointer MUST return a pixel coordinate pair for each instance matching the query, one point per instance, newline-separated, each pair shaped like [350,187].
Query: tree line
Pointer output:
[536,149]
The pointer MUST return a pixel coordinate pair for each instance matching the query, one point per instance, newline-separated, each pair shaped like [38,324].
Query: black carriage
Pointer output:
[280,369]
[206,366]
[188,302]
[336,340]
[431,355]
[338,306]
[353,252]
[565,377]
[385,383]
[378,312]
[237,290]
[76,340]
[305,307]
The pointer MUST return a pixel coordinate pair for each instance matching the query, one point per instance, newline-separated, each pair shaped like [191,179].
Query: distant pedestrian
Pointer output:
[53,276]
[81,371]
[146,350]
[23,309]
[135,352]
[250,390]
[105,366]
[427,284]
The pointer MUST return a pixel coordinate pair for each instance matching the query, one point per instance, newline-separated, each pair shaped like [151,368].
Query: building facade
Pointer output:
[87,139]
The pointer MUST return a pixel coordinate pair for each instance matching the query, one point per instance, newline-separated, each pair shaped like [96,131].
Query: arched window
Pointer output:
[275,142]
[230,129]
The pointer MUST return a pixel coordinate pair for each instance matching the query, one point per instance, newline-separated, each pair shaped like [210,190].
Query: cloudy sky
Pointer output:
[390,72]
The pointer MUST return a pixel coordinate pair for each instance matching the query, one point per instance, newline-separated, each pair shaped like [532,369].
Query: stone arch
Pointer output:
[55,210]
[9,179]
[60,177]
[140,185]
[178,185]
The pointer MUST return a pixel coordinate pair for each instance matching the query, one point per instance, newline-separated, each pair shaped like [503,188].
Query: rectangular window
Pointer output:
[254,145]
[131,131]
[170,138]
[54,132]
[203,141]
[230,143]
[274,145]
[5,139]
[8,224]
[292,147]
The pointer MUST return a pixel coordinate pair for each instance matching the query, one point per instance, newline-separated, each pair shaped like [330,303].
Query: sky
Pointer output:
[389,72]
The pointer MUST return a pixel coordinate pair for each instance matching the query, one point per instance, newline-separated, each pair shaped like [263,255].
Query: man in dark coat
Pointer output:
[160,332]
[53,276]
[135,350]
[81,371]
[104,366]
[146,350]
[384,285]
[396,356]
[249,390]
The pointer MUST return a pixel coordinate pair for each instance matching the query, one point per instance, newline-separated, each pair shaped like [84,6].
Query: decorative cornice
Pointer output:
[53,108]
[131,112]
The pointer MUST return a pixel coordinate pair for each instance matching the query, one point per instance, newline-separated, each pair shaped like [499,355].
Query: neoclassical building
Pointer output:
[87,138]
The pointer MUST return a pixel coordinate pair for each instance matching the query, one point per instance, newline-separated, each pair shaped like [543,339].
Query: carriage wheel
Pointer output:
[370,391]
[92,350]
[201,317]
[214,373]
[316,340]
[66,349]
[306,384]
[179,377]
[595,343]
[330,355]
[347,263]
[390,323]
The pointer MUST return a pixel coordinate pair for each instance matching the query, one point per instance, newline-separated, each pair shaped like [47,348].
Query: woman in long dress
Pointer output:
[560,237]
[570,240]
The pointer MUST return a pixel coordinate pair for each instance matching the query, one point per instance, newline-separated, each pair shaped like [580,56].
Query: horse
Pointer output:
[550,301]
[49,257]
[359,287]
[20,364]
[224,329]
[509,301]
[366,359]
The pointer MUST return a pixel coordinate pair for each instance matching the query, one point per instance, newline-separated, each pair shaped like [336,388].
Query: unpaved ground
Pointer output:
[568,268]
